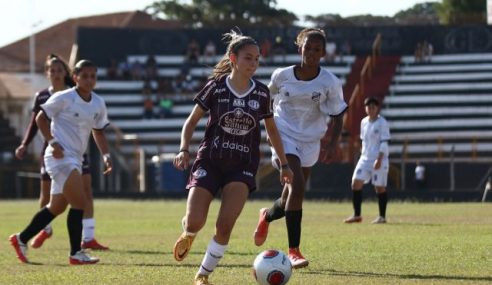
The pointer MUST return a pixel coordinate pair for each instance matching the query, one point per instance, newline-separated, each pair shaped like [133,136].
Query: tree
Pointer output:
[220,13]
[419,14]
[459,12]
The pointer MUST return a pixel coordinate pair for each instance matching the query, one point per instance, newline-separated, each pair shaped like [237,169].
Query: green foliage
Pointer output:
[459,12]
[436,243]
[220,13]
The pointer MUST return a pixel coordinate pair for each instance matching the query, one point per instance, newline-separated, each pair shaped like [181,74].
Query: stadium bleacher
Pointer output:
[439,106]
[161,135]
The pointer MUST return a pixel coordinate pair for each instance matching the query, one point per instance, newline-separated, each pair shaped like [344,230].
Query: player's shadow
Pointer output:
[400,276]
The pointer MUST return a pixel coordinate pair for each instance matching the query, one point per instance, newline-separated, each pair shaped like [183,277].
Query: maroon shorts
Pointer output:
[215,174]
[85,168]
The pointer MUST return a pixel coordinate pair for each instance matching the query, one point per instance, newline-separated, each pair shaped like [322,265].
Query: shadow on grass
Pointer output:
[156,252]
[174,265]
[401,276]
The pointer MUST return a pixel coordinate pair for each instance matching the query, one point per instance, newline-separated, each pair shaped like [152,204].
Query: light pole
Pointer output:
[32,49]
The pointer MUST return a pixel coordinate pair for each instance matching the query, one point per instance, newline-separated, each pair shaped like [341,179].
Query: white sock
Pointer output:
[48,228]
[88,229]
[212,257]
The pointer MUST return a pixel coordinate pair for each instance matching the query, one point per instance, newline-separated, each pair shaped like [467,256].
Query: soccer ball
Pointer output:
[272,267]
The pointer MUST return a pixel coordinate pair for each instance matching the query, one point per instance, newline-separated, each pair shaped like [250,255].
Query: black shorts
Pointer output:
[86,169]
[215,174]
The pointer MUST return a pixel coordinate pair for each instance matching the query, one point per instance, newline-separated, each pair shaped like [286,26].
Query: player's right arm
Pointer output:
[44,127]
[181,161]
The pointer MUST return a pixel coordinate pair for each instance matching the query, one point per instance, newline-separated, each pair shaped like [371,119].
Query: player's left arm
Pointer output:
[102,145]
[286,173]
[383,145]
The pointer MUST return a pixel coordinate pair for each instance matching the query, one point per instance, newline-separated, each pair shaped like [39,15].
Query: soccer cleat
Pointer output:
[20,248]
[353,219]
[93,244]
[182,246]
[379,220]
[296,258]
[201,280]
[39,239]
[82,258]
[261,231]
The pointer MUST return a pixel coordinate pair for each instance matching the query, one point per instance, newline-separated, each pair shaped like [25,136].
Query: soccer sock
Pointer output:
[293,221]
[48,228]
[88,229]
[212,257]
[357,202]
[276,211]
[382,201]
[74,225]
[38,222]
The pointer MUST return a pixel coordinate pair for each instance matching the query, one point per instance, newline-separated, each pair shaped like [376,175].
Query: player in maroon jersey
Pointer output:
[229,153]
[58,74]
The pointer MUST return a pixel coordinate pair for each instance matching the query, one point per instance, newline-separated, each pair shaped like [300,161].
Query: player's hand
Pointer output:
[20,151]
[377,164]
[182,160]
[286,175]
[108,165]
[57,151]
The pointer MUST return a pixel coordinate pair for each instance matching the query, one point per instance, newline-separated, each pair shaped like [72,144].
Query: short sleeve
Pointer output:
[334,104]
[102,120]
[273,85]
[55,104]
[266,108]
[385,131]
[204,97]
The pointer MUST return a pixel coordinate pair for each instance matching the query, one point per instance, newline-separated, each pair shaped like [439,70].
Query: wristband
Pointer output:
[106,156]
[52,141]
[184,150]
[284,166]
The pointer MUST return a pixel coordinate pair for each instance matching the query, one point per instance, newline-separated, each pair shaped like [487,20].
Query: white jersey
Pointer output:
[72,120]
[302,108]
[373,134]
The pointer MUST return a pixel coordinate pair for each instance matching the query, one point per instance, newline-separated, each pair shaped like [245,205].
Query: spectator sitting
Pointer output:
[209,52]
[112,71]
[124,70]
[193,52]
[279,49]
[418,55]
[136,70]
[427,51]
[148,103]
[151,67]
[265,49]
[165,106]
[331,49]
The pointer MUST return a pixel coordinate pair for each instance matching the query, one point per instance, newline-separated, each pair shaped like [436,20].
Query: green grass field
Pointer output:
[430,243]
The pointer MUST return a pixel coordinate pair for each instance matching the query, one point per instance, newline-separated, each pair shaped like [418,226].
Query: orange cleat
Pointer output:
[20,248]
[261,231]
[353,219]
[93,244]
[296,258]
[39,239]
[182,246]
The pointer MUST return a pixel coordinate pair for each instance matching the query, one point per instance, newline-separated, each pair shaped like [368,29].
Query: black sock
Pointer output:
[40,220]
[74,225]
[383,201]
[293,221]
[357,202]
[276,211]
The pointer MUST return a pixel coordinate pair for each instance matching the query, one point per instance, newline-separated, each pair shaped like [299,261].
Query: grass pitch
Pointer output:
[430,243]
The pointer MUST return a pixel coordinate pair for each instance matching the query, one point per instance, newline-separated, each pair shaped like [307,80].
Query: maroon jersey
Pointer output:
[40,98]
[233,130]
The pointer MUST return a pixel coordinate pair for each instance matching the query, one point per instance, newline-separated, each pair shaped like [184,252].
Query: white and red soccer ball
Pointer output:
[272,267]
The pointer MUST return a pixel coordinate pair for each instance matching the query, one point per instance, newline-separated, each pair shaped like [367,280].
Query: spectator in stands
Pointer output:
[427,51]
[112,71]
[265,49]
[331,51]
[193,52]
[137,71]
[279,48]
[165,106]
[418,54]
[58,74]
[305,97]
[124,70]
[151,67]
[229,153]
[148,102]
[373,164]
[209,52]
[420,176]
[67,136]
[345,50]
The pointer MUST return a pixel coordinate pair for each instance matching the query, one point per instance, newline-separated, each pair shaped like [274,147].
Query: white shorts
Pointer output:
[308,152]
[365,171]
[59,171]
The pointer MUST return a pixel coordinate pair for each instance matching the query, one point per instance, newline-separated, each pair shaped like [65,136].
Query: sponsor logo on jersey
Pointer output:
[260,93]
[199,173]
[287,94]
[203,97]
[254,104]
[219,90]
[76,114]
[223,100]
[238,103]
[215,143]
[247,173]
[235,146]
[237,122]
[316,95]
